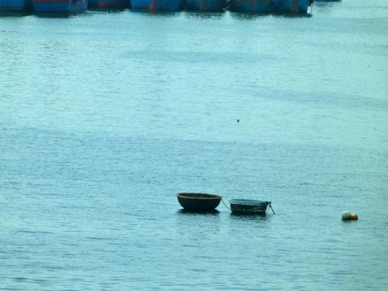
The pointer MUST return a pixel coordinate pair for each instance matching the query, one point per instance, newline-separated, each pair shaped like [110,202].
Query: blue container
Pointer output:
[248,206]
[14,5]
[59,6]
[94,3]
[206,5]
[158,5]
[109,4]
[250,6]
[290,6]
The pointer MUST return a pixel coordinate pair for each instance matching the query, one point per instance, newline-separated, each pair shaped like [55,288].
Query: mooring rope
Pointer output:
[225,204]
[270,206]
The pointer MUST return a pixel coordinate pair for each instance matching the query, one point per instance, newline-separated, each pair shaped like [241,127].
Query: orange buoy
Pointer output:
[354,216]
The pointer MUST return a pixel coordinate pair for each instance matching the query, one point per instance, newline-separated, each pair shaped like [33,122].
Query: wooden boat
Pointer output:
[15,5]
[158,5]
[198,201]
[59,6]
[291,6]
[250,6]
[249,206]
[206,5]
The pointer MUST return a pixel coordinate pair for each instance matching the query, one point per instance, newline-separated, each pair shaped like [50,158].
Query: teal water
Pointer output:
[104,117]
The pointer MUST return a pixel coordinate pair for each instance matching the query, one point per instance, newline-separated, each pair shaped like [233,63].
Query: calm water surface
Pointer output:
[104,117]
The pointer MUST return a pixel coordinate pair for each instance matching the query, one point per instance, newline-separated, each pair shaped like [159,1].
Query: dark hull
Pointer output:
[199,201]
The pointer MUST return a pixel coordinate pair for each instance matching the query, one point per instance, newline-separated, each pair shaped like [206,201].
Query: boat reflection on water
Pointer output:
[248,216]
[194,212]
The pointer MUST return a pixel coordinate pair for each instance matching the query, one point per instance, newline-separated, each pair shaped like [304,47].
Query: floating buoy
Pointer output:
[354,216]
[346,215]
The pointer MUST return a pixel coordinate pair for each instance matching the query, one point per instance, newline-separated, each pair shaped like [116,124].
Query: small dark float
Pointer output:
[199,201]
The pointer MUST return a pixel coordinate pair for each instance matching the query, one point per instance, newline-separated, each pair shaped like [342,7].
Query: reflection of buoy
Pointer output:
[354,216]
[346,215]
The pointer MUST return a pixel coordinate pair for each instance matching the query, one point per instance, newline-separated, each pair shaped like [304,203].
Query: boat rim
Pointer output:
[248,201]
[199,196]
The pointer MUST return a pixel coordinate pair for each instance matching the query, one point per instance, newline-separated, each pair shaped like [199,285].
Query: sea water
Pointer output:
[105,116]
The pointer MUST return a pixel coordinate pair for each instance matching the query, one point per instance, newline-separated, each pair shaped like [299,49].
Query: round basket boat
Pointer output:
[199,201]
